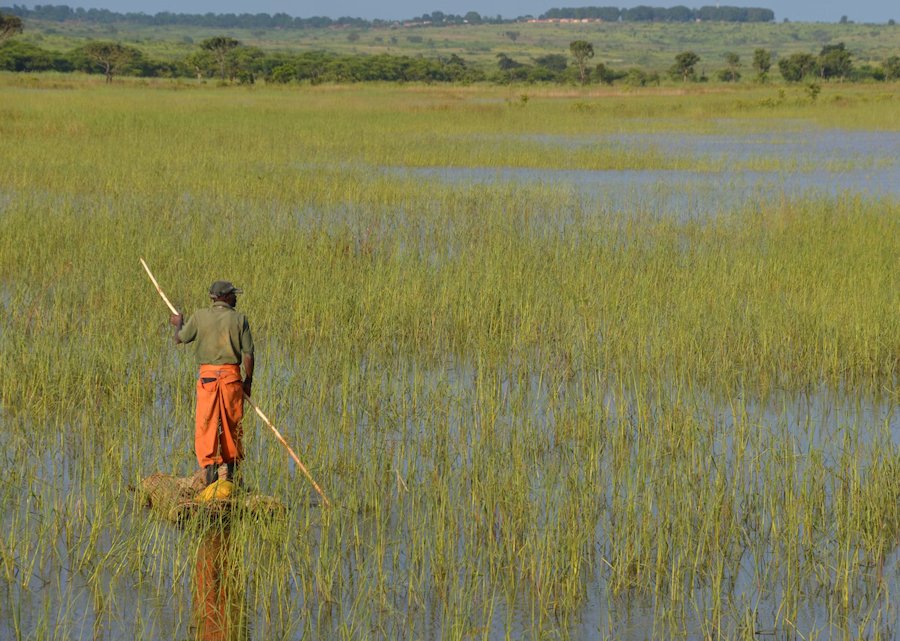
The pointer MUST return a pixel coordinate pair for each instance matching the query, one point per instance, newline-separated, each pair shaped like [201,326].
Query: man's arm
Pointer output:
[248,373]
[247,356]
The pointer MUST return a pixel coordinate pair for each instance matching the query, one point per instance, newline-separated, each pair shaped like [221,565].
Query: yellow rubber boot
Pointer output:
[217,491]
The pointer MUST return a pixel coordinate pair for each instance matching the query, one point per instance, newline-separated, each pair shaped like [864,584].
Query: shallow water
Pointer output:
[146,590]
[158,598]
[680,193]
[828,163]
[818,146]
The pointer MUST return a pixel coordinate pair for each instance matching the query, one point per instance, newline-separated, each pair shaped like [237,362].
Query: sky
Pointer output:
[794,10]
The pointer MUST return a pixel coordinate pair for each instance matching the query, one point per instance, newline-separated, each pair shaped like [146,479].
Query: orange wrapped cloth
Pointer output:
[220,401]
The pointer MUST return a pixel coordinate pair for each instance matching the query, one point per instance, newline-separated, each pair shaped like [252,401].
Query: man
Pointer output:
[223,343]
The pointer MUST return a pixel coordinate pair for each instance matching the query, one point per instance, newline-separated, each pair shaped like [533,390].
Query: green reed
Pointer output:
[527,406]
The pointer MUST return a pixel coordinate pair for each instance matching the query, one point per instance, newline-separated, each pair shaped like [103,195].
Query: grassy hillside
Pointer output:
[651,46]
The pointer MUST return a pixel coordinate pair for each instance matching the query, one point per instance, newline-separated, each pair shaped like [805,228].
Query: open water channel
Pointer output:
[820,162]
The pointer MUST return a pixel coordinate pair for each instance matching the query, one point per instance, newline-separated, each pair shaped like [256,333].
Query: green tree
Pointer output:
[283,74]
[512,70]
[606,75]
[505,63]
[24,56]
[683,68]
[892,68]
[679,13]
[636,77]
[582,51]
[640,13]
[537,74]
[220,47]
[112,58]
[312,65]
[555,62]
[9,26]
[245,63]
[797,66]
[868,72]
[835,61]
[731,73]
[762,62]
[201,63]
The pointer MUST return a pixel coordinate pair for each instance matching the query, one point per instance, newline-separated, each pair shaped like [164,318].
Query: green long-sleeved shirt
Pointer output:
[221,333]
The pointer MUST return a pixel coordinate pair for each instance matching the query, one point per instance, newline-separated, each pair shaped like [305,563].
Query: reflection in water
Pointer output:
[219,592]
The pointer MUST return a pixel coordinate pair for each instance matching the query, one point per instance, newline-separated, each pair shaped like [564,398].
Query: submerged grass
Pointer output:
[538,414]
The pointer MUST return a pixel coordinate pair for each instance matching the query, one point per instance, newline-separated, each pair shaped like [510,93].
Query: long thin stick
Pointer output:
[158,288]
[290,451]
[252,404]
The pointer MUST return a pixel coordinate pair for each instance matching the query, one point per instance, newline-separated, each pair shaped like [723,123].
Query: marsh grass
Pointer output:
[532,411]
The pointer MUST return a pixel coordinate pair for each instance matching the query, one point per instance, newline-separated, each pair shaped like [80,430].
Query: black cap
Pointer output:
[223,288]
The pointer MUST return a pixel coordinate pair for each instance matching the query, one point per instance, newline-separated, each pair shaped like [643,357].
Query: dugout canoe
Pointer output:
[175,499]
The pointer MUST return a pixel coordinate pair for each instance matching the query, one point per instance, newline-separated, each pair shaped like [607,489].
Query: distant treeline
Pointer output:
[228,60]
[241,64]
[65,13]
[659,14]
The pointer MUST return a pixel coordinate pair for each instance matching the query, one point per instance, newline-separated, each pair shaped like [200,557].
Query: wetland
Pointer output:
[613,366]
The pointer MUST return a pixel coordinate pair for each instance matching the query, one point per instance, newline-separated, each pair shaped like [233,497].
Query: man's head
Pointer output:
[225,291]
